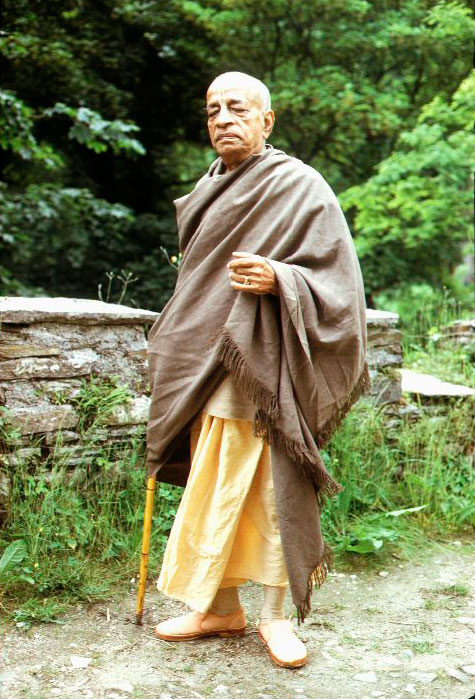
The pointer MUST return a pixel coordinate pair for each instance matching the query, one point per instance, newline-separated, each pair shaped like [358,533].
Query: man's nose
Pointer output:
[224,116]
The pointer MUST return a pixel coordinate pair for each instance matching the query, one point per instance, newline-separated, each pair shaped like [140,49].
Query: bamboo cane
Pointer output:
[147,528]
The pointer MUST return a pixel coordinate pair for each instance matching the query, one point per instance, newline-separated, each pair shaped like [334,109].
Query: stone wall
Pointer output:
[50,346]
[384,355]
[460,331]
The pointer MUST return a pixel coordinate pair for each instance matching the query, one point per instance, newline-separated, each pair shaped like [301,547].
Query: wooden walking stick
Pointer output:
[147,528]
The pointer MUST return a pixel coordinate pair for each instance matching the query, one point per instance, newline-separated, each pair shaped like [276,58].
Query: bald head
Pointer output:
[240,118]
[237,80]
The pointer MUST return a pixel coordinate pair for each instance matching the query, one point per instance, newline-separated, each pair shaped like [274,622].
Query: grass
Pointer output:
[78,527]
[82,536]
[424,312]
[455,590]
[323,624]
[420,644]
[78,530]
[399,490]
[404,486]
[448,597]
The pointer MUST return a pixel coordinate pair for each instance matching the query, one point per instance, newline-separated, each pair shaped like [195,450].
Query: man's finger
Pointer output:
[245,273]
[243,262]
[240,253]
[236,277]
[245,287]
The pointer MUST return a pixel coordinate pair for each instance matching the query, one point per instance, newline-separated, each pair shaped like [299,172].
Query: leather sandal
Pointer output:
[284,647]
[198,624]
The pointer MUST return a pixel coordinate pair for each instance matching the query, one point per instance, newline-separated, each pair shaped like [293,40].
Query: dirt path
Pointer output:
[391,633]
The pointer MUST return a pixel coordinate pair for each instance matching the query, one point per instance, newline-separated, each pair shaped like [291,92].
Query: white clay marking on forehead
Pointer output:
[241,82]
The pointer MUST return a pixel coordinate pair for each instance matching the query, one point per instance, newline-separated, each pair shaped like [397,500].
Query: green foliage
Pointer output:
[9,435]
[346,77]
[451,19]
[97,399]
[356,86]
[75,235]
[414,215]
[75,530]
[420,644]
[97,133]
[455,590]
[16,132]
[402,485]
[12,556]
[112,70]
[371,533]
[35,611]
[398,485]
[425,312]
[82,527]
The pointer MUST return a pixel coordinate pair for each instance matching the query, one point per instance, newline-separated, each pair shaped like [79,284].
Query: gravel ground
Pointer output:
[393,633]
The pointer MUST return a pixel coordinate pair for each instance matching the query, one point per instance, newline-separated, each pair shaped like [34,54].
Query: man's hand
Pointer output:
[252,273]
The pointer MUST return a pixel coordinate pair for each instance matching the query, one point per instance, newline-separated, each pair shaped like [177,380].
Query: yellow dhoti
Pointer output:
[226,530]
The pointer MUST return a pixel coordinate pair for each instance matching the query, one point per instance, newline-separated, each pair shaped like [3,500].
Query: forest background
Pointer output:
[102,126]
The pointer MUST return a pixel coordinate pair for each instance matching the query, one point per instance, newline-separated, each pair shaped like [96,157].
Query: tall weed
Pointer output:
[400,486]
[78,525]
[424,312]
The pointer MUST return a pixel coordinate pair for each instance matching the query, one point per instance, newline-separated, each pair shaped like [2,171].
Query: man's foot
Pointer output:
[198,624]
[284,647]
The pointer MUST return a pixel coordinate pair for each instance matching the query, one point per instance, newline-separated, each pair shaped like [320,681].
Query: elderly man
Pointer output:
[253,363]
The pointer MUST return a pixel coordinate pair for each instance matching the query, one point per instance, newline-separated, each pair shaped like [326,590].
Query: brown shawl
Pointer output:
[300,357]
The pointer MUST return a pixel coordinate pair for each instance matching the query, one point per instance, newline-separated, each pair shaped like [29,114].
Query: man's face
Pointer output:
[237,122]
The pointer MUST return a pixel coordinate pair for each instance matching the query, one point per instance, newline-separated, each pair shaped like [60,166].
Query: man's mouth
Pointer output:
[228,134]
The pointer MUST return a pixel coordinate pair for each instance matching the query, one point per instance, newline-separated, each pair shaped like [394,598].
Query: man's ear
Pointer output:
[269,119]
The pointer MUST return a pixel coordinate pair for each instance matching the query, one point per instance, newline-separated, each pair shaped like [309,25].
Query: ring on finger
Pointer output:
[246,280]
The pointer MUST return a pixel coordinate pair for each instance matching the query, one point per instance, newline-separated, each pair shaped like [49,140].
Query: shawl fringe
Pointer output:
[230,355]
[361,387]
[315,580]
[309,464]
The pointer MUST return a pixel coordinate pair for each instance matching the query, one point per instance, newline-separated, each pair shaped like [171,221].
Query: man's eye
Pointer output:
[239,111]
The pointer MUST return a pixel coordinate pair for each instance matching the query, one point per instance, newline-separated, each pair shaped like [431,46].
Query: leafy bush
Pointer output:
[55,237]
[354,85]
[415,214]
